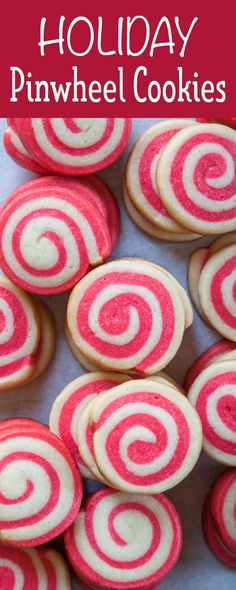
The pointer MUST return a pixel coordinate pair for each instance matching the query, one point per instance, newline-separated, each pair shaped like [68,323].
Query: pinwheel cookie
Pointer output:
[196,178]
[213,396]
[68,146]
[33,569]
[138,543]
[219,518]
[128,315]
[41,488]
[212,284]
[52,230]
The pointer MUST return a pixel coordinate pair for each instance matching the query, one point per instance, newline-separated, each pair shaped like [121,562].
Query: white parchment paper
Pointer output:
[197,569]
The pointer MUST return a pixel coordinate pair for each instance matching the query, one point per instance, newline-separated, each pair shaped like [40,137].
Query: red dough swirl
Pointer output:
[19,335]
[40,486]
[74,146]
[215,352]
[50,235]
[196,178]
[213,538]
[214,398]
[127,314]
[138,543]
[146,436]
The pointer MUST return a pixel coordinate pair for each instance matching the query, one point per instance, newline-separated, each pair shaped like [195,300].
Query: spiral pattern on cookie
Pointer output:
[49,237]
[69,405]
[216,351]
[217,291]
[147,437]
[139,542]
[125,315]
[19,335]
[40,486]
[22,569]
[74,146]
[223,507]
[196,178]
[213,394]
[140,177]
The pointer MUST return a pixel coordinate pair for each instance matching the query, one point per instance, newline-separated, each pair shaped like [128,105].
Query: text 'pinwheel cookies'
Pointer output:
[211,278]
[219,518]
[54,229]
[122,540]
[128,315]
[66,146]
[41,489]
[33,569]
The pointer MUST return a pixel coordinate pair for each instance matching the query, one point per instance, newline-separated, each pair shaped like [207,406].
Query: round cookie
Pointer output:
[146,436]
[217,351]
[138,543]
[140,174]
[41,489]
[213,539]
[153,230]
[213,396]
[16,150]
[69,405]
[49,237]
[217,291]
[127,315]
[19,335]
[17,423]
[74,146]
[223,507]
[22,569]
[196,178]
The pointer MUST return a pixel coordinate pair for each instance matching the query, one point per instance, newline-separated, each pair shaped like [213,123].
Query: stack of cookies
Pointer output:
[179,180]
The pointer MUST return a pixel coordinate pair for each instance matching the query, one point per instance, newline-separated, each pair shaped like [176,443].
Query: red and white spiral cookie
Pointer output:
[223,507]
[213,538]
[19,335]
[138,543]
[74,146]
[17,151]
[213,395]
[22,569]
[196,178]
[49,237]
[217,291]
[11,424]
[40,486]
[140,175]
[58,575]
[217,351]
[146,436]
[127,314]
[69,405]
